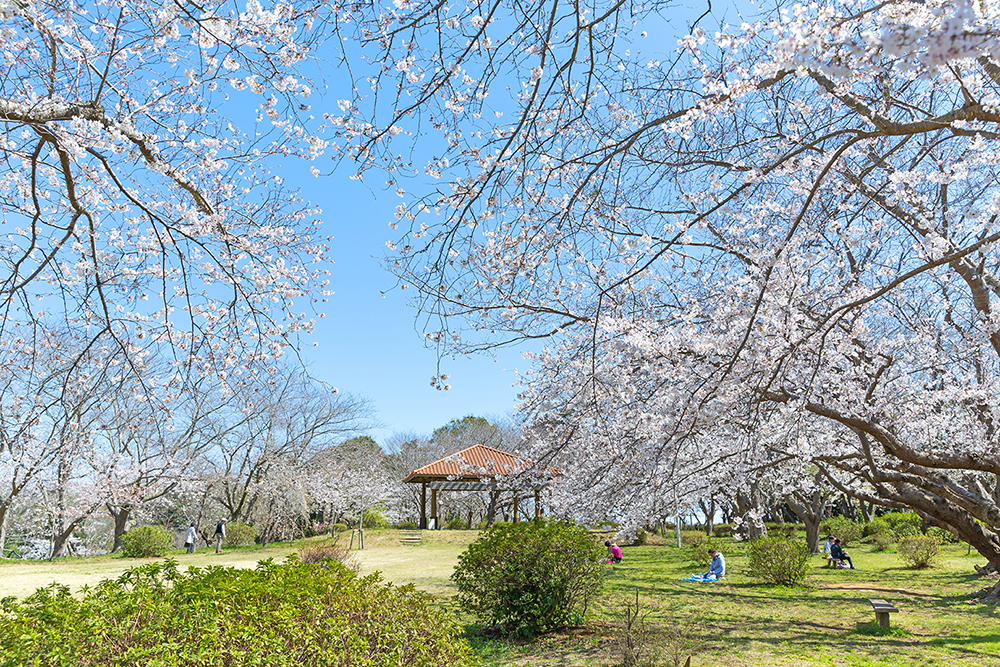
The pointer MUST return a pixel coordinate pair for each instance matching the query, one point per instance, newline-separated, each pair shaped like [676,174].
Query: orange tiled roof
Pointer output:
[475,463]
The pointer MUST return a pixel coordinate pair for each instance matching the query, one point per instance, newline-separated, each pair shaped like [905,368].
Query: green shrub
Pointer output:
[529,577]
[338,528]
[147,542]
[942,536]
[895,519]
[284,615]
[905,530]
[786,530]
[697,553]
[778,561]
[374,517]
[848,531]
[724,530]
[882,541]
[919,552]
[406,525]
[456,524]
[240,534]
[877,526]
[641,538]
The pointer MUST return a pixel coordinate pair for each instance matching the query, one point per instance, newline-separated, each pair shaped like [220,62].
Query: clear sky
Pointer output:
[371,346]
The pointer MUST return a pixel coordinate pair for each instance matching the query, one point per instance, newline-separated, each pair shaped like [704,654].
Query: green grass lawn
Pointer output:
[734,622]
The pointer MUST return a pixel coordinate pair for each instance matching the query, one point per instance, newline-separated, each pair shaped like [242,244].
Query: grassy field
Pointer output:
[735,622]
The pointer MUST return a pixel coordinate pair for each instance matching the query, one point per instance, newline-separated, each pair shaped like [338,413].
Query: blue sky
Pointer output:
[371,346]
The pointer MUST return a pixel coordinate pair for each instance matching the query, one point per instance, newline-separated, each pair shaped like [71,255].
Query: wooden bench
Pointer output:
[882,611]
[410,537]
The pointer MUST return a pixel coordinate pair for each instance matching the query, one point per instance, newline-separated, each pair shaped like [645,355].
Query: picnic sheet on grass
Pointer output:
[701,579]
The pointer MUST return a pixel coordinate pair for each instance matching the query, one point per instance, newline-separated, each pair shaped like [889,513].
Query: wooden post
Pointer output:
[423,505]
[538,504]
[434,507]
[515,506]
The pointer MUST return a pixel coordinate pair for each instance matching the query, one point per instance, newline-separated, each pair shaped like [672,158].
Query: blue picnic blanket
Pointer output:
[700,579]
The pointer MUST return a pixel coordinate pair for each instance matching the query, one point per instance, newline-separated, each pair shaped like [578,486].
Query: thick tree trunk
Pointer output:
[120,517]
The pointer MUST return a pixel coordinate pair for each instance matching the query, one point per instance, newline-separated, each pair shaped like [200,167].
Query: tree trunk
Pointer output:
[121,517]
[3,527]
[491,510]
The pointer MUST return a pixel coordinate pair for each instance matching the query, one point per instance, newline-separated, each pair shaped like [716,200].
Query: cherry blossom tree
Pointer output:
[139,212]
[787,223]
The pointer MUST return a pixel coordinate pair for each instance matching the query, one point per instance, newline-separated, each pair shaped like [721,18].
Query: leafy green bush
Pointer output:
[877,526]
[374,517]
[786,530]
[905,530]
[697,553]
[724,530]
[942,536]
[529,577]
[895,519]
[456,524]
[641,538]
[882,541]
[406,525]
[919,552]
[240,534]
[778,561]
[848,531]
[147,542]
[285,615]
[338,527]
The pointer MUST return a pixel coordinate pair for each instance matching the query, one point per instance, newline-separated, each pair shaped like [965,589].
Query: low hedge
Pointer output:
[147,542]
[287,615]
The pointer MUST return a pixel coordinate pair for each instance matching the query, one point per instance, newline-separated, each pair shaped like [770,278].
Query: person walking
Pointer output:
[220,535]
[190,538]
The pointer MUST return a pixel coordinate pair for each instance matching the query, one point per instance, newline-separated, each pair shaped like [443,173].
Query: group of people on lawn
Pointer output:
[835,554]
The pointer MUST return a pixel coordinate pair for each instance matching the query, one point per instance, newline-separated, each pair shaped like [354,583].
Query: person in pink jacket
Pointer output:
[614,552]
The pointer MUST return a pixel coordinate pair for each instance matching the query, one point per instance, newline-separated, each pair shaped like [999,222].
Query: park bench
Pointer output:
[882,611]
[410,537]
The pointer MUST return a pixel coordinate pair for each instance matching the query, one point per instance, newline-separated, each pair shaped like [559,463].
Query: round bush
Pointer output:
[697,552]
[338,527]
[882,541]
[285,615]
[147,542]
[778,561]
[527,578]
[724,530]
[406,525]
[905,530]
[877,526]
[848,531]
[919,552]
[240,534]
[456,524]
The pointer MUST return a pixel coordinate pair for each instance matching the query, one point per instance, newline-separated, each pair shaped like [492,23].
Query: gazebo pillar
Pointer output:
[423,505]
[434,507]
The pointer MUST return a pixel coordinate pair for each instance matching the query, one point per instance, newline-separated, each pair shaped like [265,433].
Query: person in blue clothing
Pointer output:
[717,568]
[839,554]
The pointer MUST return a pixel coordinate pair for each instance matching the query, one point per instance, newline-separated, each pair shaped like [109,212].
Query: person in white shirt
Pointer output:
[190,538]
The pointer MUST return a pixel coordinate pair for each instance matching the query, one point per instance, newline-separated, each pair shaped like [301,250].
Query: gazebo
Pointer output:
[473,469]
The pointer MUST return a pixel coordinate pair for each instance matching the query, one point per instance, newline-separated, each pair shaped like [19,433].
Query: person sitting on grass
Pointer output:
[614,552]
[826,550]
[838,553]
[717,568]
